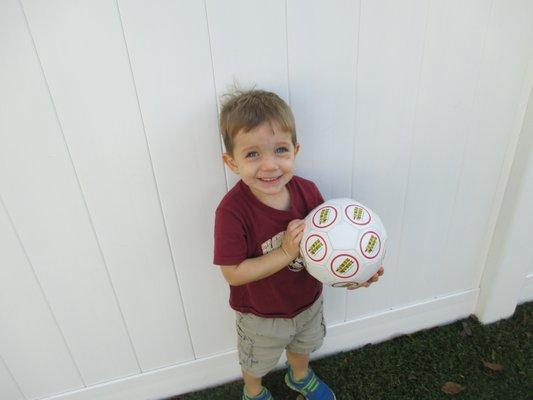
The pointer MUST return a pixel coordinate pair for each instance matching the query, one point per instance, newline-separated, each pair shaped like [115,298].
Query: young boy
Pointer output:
[258,228]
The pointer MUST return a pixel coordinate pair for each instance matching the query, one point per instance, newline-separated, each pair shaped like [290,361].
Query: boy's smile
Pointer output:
[264,159]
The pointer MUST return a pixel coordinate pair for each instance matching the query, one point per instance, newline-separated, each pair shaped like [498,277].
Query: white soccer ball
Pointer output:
[344,243]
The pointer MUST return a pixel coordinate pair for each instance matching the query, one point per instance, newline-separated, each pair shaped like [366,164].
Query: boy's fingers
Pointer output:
[295,223]
[296,229]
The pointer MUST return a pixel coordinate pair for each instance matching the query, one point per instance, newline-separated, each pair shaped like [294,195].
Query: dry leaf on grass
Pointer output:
[452,388]
[492,366]
[473,318]
[466,330]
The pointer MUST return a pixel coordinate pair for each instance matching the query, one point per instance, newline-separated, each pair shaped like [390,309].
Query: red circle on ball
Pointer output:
[347,255]
[320,209]
[351,220]
[361,247]
[325,245]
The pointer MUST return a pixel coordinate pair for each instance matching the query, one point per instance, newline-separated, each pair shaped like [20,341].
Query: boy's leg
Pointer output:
[252,385]
[311,330]
[299,364]
[301,378]
[260,344]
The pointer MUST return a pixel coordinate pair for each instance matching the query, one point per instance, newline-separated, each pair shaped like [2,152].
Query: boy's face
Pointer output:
[264,159]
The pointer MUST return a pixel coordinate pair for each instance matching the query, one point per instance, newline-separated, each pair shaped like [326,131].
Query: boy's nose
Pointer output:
[269,162]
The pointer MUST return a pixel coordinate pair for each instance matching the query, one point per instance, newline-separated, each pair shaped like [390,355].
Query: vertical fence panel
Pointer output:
[391,44]
[511,254]
[41,193]
[8,387]
[169,48]
[82,50]
[23,308]
[448,84]
[507,48]
[322,66]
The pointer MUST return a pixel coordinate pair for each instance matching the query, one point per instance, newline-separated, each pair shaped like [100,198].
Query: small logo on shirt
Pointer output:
[273,243]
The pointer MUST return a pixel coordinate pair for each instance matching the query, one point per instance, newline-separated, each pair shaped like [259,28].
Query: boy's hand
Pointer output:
[293,236]
[374,278]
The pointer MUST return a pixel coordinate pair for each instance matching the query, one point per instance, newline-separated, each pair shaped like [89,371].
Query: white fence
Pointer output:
[110,172]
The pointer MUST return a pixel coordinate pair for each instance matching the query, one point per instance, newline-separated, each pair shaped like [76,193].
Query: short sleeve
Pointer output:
[230,239]
[319,199]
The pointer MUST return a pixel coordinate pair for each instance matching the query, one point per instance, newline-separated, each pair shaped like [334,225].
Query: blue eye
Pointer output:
[252,154]
[281,150]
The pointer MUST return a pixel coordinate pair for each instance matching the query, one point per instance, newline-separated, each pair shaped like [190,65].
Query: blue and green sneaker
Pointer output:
[264,395]
[312,387]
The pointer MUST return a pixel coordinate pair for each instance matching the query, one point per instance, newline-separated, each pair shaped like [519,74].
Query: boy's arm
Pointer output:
[254,269]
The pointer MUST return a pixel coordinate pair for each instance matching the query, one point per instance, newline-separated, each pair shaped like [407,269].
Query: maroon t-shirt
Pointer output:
[246,228]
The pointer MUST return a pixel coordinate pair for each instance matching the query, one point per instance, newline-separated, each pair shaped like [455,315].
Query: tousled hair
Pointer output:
[243,110]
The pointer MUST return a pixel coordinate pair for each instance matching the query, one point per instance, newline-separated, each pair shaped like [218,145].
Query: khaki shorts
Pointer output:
[262,340]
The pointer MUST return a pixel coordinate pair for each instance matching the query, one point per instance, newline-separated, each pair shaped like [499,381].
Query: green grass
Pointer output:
[417,366]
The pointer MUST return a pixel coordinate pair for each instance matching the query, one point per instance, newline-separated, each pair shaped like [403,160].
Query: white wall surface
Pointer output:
[522,177]
[523,254]
[110,172]
[511,255]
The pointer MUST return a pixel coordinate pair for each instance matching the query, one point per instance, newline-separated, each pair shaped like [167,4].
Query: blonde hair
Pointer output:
[243,110]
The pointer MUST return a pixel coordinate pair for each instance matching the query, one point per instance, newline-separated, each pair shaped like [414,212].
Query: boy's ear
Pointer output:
[296,148]
[230,162]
